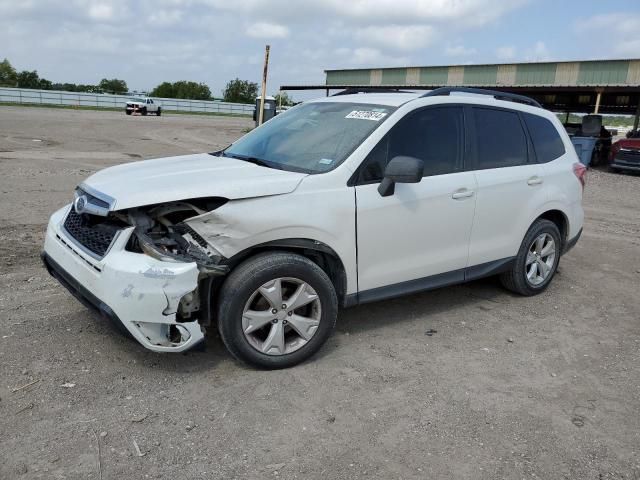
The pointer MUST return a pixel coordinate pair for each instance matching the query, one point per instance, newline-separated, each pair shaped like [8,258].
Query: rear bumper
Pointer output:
[136,291]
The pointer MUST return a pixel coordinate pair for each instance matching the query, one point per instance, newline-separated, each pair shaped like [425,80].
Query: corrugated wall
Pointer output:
[349,77]
[536,74]
[480,75]
[593,73]
[610,72]
[434,75]
[394,76]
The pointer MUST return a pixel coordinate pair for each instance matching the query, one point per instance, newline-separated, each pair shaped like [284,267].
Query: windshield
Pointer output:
[312,137]
[137,99]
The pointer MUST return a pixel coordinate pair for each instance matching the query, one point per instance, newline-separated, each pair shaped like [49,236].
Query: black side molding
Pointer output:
[429,283]
[488,269]
[571,243]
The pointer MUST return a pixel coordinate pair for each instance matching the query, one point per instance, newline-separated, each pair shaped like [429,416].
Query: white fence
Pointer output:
[97,100]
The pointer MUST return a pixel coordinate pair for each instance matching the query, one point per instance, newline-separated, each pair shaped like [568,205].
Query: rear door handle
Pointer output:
[534,181]
[462,193]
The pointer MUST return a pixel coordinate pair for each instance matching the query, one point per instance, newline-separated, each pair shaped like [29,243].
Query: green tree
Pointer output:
[45,84]
[164,90]
[283,99]
[27,79]
[192,90]
[115,86]
[240,91]
[182,89]
[8,75]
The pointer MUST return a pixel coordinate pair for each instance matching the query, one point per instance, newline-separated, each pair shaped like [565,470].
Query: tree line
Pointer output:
[236,91]
[9,77]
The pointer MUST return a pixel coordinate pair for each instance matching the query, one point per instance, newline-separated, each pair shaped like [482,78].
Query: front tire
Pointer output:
[276,310]
[144,111]
[159,111]
[537,260]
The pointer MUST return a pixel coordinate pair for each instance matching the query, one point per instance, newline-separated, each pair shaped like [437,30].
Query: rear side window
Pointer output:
[434,135]
[500,139]
[546,140]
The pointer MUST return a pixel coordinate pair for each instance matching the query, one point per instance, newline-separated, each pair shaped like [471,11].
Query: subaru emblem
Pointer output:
[79,204]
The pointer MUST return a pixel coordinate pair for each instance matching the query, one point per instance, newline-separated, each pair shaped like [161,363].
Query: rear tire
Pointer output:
[253,316]
[537,260]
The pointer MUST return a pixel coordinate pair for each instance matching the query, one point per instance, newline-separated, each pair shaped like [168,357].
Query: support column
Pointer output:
[636,118]
[598,98]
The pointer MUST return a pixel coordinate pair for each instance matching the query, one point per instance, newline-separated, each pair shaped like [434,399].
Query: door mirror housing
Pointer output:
[400,170]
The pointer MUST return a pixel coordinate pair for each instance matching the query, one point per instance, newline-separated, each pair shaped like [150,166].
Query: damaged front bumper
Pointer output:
[140,292]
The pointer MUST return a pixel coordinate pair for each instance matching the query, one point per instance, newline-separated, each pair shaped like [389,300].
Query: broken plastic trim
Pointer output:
[205,264]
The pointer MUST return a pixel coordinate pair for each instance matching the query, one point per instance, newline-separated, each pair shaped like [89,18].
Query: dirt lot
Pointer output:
[507,387]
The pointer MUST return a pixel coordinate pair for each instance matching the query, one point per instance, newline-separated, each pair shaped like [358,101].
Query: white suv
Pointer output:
[336,202]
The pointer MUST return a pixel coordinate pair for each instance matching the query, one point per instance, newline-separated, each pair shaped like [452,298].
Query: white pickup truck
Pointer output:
[142,106]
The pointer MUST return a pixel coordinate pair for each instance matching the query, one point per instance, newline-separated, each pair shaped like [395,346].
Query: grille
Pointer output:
[631,156]
[93,200]
[94,237]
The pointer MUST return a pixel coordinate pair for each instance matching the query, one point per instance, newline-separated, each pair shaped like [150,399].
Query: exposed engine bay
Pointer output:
[160,232]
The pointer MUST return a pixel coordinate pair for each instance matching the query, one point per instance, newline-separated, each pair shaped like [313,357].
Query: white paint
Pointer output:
[189,176]
[423,229]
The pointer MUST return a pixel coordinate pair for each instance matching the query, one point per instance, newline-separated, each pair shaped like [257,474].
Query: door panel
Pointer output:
[423,229]
[505,198]
[509,185]
[417,232]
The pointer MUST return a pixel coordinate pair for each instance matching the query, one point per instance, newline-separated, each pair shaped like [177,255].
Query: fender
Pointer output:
[547,207]
[314,222]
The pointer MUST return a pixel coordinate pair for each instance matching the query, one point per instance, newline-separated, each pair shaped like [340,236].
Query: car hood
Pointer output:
[169,179]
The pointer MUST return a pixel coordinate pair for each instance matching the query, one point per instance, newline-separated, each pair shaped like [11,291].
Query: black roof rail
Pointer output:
[351,91]
[510,97]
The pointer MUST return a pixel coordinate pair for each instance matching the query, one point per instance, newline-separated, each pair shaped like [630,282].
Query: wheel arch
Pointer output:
[560,219]
[318,252]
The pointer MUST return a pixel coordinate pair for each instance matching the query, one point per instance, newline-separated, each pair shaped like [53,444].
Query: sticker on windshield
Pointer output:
[325,161]
[367,115]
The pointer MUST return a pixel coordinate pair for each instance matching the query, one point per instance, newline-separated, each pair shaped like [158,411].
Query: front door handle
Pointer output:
[535,180]
[462,193]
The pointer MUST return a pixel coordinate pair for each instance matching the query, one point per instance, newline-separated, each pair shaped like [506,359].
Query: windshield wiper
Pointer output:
[254,160]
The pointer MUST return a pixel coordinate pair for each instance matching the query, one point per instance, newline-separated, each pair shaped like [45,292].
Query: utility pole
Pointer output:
[264,85]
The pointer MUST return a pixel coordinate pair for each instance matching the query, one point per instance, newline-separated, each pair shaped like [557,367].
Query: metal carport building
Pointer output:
[589,86]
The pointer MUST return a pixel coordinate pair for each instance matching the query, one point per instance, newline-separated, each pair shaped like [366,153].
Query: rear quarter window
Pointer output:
[546,141]
[500,138]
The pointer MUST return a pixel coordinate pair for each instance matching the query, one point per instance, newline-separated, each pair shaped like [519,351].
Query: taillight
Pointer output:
[580,171]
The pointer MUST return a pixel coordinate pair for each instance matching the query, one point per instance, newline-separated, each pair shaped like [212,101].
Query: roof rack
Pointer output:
[351,91]
[509,97]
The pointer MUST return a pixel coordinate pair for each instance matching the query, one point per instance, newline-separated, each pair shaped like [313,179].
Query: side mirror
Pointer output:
[400,170]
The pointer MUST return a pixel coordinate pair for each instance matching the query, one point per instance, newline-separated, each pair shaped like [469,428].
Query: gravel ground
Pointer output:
[464,382]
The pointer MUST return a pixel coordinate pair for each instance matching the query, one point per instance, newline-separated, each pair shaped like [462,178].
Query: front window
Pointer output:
[312,137]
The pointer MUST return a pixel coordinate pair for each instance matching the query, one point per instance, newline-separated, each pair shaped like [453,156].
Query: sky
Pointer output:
[147,42]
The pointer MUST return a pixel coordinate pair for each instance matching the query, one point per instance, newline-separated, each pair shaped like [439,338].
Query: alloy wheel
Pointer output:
[540,259]
[281,316]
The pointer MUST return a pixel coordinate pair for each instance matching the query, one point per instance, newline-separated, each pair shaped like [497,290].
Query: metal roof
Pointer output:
[588,73]
[562,86]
